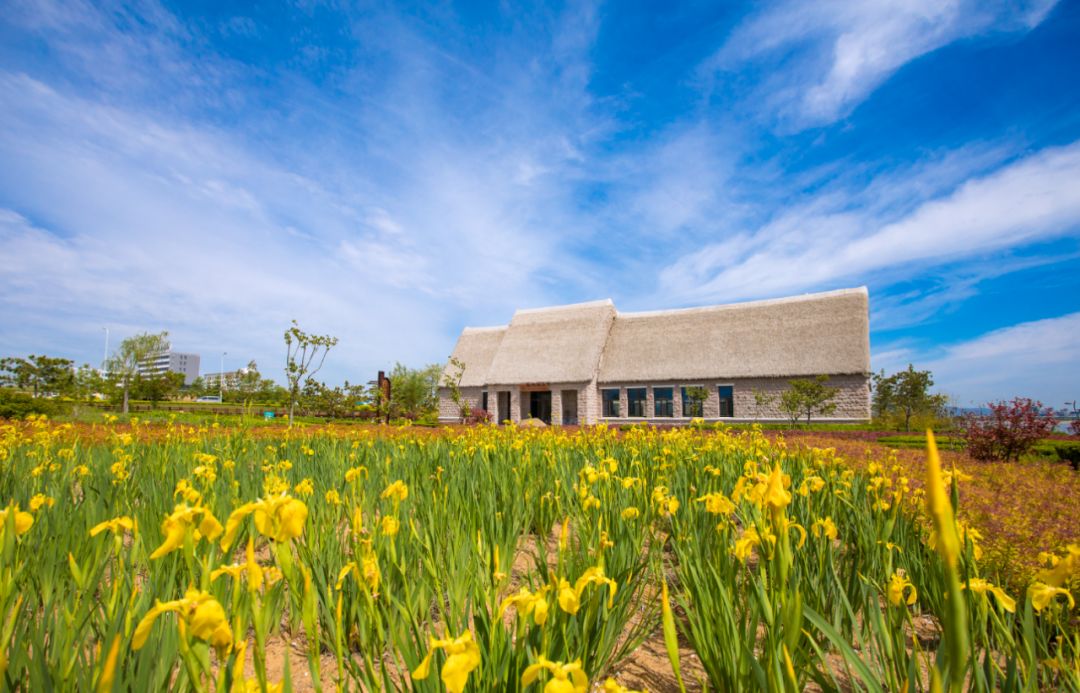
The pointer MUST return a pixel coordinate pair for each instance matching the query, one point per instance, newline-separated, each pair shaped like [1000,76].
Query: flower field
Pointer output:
[171,557]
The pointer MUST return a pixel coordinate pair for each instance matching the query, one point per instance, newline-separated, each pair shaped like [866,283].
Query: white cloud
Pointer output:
[388,216]
[1033,359]
[826,57]
[819,244]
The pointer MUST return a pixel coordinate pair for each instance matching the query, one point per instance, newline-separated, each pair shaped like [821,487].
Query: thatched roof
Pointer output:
[475,348]
[826,333]
[552,345]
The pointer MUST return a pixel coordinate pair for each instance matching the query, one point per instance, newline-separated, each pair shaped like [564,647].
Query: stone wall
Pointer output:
[852,402]
[448,410]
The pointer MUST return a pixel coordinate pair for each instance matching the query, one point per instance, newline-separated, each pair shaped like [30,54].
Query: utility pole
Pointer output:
[105,359]
[221,377]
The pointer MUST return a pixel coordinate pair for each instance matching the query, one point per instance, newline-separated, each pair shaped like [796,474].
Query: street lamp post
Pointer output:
[221,378]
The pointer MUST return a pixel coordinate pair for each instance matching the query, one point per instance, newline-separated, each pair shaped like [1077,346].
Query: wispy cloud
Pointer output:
[826,242]
[825,57]
[139,219]
[1032,359]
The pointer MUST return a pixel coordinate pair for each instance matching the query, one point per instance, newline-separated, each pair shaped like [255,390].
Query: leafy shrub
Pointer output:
[16,405]
[919,442]
[1010,430]
[478,416]
[1074,427]
[1068,452]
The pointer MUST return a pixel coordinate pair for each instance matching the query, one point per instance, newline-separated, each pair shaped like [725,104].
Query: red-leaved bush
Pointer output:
[1074,427]
[1010,430]
[477,416]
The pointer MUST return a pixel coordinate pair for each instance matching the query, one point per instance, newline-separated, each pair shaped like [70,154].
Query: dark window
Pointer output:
[611,402]
[727,401]
[483,400]
[693,407]
[663,401]
[635,401]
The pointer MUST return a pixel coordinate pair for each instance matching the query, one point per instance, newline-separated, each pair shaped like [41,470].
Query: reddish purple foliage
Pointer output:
[1074,427]
[478,415]
[1010,430]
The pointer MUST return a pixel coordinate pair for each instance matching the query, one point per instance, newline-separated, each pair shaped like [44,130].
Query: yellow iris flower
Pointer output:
[980,586]
[776,495]
[117,525]
[744,545]
[565,678]
[526,602]
[463,655]
[250,567]
[389,525]
[717,504]
[811,484]
[39,501]
[1042,595]
[280,518]
[570,597]
[397,490]
[176,526]
[366,572]
[1062,569]
[901,590]
[23,520]
[824,528]
[947,542]
[200,615]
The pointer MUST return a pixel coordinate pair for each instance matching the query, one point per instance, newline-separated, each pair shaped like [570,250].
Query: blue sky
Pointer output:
[390,173]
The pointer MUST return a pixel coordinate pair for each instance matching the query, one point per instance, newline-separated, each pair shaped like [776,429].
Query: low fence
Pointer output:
[224,409]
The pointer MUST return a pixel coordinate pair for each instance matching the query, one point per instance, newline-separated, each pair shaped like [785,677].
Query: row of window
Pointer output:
[693,401]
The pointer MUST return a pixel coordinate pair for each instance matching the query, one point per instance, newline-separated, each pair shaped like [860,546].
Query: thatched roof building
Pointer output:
[588,362]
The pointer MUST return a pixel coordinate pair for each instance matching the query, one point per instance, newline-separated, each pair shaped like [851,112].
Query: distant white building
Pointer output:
[172,361]
[232,379]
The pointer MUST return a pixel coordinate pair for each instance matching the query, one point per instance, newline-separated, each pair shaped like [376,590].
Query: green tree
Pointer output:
[762,401]
[89,382]
[16,373]
[452,381]
[882,403]
[301,352]
[414,391]
[197,387]
[42,375]
[808,397]
[906,395]
[695,401]
[157,387]
[133,352]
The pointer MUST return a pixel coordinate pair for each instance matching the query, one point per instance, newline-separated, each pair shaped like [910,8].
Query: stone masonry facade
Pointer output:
[852,401]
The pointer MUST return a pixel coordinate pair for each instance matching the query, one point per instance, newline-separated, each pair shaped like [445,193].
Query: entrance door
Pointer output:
[540,405]
[569,408]
[503,407]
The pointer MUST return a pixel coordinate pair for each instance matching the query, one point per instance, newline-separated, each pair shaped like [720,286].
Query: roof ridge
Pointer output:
[567,306]
[746,304]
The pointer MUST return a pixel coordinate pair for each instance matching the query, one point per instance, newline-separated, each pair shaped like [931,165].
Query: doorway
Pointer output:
[569,408]
[503,406]
[540,405]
